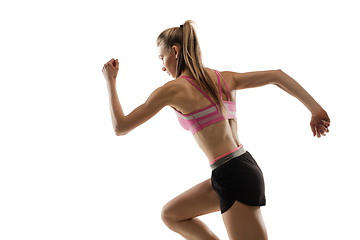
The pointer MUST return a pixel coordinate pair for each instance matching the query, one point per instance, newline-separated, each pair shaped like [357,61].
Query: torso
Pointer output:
[218,138]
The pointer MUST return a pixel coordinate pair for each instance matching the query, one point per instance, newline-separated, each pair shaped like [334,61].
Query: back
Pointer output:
[221,136]
[199,119]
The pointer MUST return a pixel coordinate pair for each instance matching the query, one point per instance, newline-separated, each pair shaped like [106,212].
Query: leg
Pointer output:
[180,213]
[244,222]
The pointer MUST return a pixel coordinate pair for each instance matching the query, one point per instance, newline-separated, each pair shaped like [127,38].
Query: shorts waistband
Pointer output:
[227,157]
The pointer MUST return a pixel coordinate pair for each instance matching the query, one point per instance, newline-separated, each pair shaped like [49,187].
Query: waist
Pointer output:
[227,157]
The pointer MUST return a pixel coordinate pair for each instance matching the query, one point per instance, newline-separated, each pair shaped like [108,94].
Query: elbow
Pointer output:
[120,133]
[277,76]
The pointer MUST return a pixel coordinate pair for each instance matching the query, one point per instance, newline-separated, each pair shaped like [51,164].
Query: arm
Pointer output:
[289,85]
[254,79]
[320,121]
[278,78]
[158,99]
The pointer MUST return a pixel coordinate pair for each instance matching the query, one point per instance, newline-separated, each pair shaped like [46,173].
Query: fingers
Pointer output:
[112,62]
[319,131]
[115,63]
[326,123]
[322,129]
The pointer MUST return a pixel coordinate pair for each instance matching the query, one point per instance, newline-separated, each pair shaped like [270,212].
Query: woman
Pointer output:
[204,101]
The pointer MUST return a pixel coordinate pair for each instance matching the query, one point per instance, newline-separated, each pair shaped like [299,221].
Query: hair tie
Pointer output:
[181,26]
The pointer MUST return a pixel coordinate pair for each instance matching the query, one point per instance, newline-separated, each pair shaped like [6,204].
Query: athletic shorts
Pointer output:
[236,176]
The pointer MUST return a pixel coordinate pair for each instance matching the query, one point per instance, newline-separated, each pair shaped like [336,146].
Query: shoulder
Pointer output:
[166,93]
[173,86]
[227,76]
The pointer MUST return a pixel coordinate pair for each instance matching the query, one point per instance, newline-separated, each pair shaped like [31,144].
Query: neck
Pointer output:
[186,73]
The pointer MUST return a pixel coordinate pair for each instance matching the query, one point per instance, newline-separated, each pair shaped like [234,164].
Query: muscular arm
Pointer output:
[289,85]
[158,99]
[254,79]
[278,78]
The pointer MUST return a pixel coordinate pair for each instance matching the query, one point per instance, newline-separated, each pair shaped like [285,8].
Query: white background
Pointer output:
[64,174]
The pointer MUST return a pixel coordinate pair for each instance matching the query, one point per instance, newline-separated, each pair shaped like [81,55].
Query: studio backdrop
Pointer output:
[64,174]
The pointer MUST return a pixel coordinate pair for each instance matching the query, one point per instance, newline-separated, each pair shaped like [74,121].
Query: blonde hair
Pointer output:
[190,57]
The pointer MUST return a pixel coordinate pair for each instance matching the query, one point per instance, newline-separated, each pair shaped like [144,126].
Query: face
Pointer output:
[169,60]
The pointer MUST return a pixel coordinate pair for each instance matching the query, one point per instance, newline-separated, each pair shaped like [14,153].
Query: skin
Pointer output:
[180,214]
[218,138]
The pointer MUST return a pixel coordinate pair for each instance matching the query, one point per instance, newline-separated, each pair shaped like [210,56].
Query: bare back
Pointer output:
[218,138]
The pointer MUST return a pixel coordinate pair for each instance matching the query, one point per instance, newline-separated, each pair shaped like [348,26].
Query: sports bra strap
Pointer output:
[228,93]
[186,77]
[219,86]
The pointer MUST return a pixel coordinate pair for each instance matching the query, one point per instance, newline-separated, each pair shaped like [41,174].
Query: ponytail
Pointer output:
[190,57]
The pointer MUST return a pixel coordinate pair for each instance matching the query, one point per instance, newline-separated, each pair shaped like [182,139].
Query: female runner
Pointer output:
[204,101]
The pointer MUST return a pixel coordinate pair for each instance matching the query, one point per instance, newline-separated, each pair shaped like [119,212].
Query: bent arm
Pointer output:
[158,99]
[116,111]
[289,85]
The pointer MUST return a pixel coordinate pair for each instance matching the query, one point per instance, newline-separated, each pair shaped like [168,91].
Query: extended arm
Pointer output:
[289,85]
[320,121]
[278,78]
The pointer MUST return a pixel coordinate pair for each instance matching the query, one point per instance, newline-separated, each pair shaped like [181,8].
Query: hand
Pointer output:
[110,70]
[320,123]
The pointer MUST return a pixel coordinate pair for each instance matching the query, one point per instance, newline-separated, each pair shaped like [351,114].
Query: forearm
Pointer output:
[117,114]
[289,85]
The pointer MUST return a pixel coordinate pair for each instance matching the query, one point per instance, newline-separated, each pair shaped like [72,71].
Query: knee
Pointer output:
[167,217]
[165,214]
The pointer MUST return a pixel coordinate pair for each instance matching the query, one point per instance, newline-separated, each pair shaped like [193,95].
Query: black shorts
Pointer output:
[239,178]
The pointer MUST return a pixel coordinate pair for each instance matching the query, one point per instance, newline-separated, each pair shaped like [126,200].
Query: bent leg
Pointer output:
[244,222]
[180,213]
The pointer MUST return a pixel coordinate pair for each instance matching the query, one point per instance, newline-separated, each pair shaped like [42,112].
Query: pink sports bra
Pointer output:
[199,119]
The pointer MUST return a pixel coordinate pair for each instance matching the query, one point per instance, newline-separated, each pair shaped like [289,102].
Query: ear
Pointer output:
[175,49]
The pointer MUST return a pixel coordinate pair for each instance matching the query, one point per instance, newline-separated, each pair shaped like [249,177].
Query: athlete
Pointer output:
[204,101]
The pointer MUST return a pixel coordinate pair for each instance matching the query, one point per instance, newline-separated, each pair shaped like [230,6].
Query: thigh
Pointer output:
[244,222]
[198,200]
